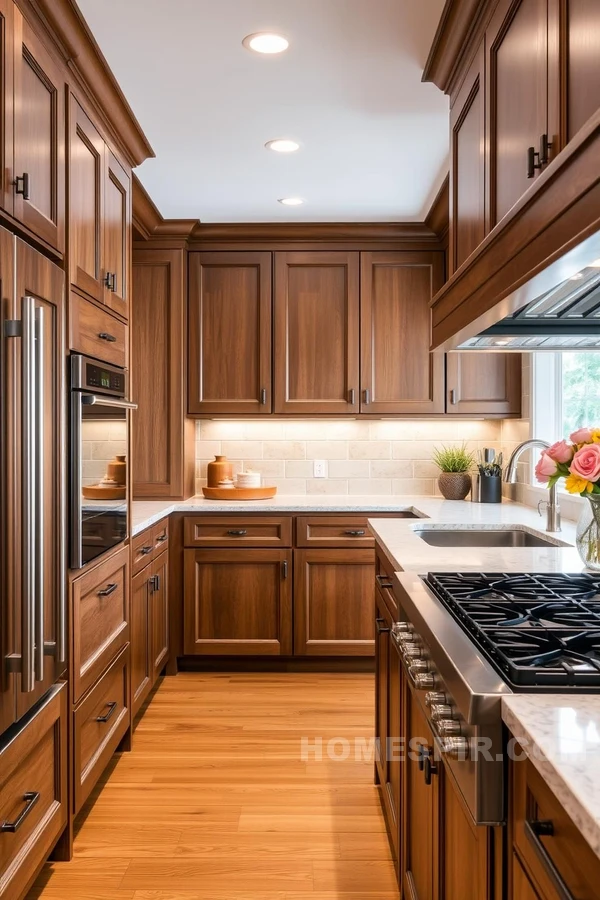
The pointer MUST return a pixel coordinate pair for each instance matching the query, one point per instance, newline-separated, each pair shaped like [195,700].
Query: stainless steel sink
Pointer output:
[505,537]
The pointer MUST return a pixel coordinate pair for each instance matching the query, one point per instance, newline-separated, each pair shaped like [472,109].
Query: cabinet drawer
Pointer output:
[142,550]
[33,792]
[96,333]
[100,619]
[565,850]
[333,531]
[245,531]
[160,537]
[98,726]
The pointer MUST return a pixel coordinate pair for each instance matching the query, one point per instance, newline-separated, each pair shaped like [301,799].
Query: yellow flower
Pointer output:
[577,485]
[596,435]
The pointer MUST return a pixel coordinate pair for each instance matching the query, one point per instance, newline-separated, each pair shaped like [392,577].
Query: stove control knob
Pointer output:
[440,712]
[419,665]
[412,651]
[448,728]
[434,697]
[456,747]
[423,681]
[403,638]
[399,628]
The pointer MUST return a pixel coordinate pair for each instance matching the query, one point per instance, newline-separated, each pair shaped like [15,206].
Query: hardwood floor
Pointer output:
[216,801]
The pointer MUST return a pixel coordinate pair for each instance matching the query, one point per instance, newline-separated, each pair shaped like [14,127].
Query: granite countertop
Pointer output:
[561,736]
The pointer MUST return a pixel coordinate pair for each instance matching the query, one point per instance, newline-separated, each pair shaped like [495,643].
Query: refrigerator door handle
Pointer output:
[28,495]
[38,450]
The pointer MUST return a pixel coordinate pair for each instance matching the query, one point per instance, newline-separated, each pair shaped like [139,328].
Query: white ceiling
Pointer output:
[374,139]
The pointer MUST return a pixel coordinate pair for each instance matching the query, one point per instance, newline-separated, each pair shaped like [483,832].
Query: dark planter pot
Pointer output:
[491,489]
[454,485]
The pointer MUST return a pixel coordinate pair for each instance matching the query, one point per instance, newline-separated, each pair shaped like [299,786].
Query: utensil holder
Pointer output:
[491,489]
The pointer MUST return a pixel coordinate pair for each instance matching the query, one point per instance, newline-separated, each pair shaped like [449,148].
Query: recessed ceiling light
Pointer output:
[283,145]
[291,201]
[266,42]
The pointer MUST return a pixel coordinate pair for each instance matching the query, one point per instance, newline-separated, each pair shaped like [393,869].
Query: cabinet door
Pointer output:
[420,804]
[459,840]
[230,302]
[582,54]
[316,333]
[159,615]
[395,749]
[163,458]
[86,202]
[467,166]
[7,188]
[399,374]
[334,602]
[383,623]
[117,235]
[522,888]
[141,668]
[483,384]
[39,137]
[237,602]
[518,100]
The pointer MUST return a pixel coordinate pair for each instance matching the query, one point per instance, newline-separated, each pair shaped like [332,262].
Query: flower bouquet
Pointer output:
[578,462]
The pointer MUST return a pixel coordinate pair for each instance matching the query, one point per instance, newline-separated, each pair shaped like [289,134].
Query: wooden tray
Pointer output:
[261,493]
[98,492]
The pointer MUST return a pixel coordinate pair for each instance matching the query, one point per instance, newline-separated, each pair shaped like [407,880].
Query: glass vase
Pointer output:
[588,532]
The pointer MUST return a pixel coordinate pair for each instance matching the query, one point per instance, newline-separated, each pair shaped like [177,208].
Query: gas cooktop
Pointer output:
[538,631]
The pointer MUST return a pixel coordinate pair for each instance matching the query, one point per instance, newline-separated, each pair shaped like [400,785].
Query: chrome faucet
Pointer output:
[510,476]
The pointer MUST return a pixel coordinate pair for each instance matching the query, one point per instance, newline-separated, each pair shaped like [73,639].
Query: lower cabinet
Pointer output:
[149,627]
[237,602]
[33,791]
[334,600]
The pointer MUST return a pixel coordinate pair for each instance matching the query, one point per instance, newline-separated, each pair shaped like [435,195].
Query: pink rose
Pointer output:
[561,452]
[586,463]
[545,468]
[582,436]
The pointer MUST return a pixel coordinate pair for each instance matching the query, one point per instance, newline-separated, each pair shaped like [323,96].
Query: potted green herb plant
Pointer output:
[455,464]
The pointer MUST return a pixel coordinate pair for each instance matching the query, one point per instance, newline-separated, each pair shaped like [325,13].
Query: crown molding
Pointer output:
[438,217]
[459,21]
[149,224]
[71,35]
[329,232]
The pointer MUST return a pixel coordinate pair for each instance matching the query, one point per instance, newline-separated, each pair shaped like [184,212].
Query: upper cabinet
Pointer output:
[483,384]
[316,333]
[38,163]
[230,334]
[582,47]
[399,376]
[99,215]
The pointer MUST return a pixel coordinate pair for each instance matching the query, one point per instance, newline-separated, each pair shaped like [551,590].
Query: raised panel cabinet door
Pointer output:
[383,624]
[522,888]
[7,188]
[334,602]
[483,384]
[395,749]
[399,374]
[237,602]
[39,137]
[420,805]
[582,53]
[163,459]
[117,235]
[459,840]
[517,38]
[158,600]
[139,631]
[230,313]
[467,166]
[86,202]
[316,361]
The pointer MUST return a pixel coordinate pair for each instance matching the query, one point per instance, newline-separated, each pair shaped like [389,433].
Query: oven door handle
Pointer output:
[112,402]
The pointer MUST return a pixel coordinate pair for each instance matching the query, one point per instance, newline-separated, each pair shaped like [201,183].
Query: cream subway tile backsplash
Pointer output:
[101,442]
[378,457]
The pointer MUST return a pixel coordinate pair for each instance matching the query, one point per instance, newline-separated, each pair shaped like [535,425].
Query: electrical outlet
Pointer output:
[320,468]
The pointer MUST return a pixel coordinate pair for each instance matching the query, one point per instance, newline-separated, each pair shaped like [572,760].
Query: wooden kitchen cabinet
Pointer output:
[316,353]
[230,308]
[159,615]
[483,384]
[399,374]
[581,53]
[237,602]
[163,438]
[141,664]
[459,840]
[7,188]
[333,602]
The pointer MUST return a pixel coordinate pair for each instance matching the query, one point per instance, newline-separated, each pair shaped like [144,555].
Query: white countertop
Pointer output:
[561,736]
[149,512]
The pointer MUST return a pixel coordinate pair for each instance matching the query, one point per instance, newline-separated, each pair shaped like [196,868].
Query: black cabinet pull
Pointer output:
[22,185]
[263,396]
[533,832]
[237,532]
[105,336]
[111,711]
[533,161]
[161,538]
[358,533]
[156,580]
[30,799]
[145,551]
[380,626]
[545,147]
[110,280]
[429,767]
[108,590]
[285,568]
[383,582]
